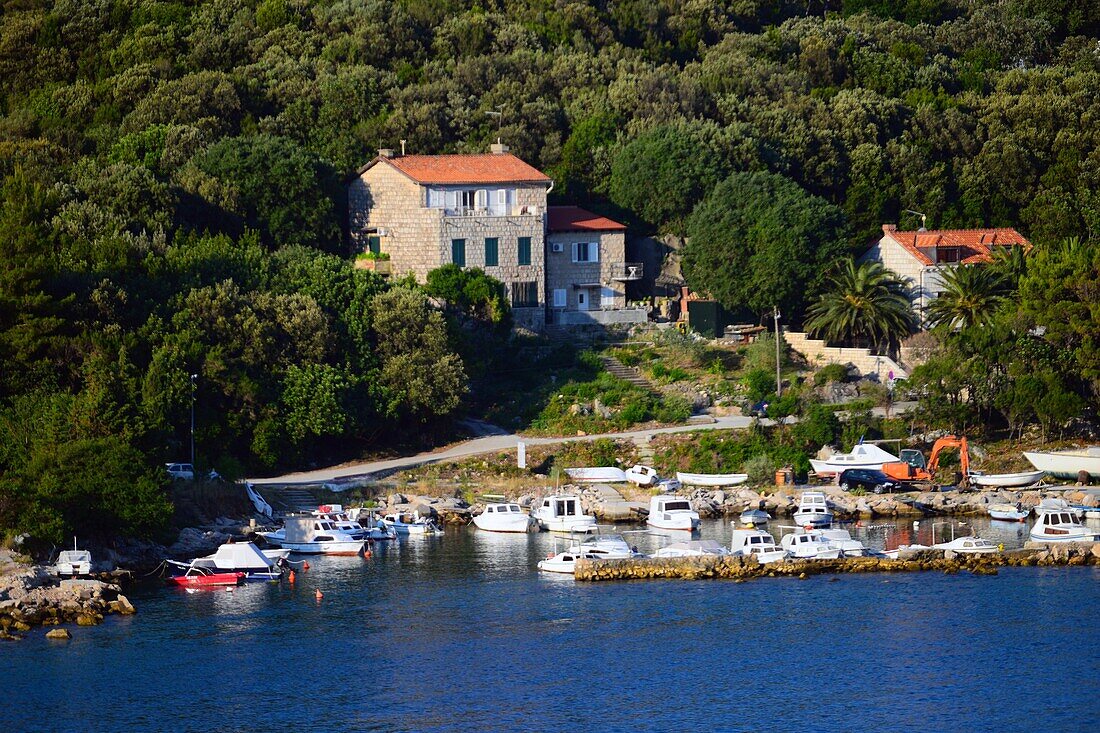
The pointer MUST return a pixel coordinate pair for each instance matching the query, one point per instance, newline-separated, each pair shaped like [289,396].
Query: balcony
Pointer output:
[626,271]
[493,210]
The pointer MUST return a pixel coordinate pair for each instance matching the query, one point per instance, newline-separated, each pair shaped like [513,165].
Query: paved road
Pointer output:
[494,443]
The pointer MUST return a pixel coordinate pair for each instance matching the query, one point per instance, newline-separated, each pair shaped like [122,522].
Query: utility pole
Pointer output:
[193,378]
[778,377]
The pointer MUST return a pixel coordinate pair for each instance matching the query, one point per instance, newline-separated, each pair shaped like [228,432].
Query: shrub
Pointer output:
[673,409]
[761,469]
[830,373]
[759,383]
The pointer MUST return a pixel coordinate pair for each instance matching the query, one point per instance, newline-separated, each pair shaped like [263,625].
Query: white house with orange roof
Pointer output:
[920,256]
[489,211]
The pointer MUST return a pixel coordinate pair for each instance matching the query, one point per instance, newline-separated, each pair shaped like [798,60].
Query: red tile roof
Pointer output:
[576,219]
[975,245]
[460,169]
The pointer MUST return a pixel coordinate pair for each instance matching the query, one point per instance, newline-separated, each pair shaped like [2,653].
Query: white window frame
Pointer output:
[592,252]
[561,298]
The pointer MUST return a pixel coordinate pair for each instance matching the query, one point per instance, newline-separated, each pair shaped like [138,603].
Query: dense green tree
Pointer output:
[470,292]
[759,240]
[864,304]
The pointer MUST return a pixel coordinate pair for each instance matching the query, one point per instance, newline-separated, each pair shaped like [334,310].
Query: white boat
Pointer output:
[310,536]
[413,526]
[641,475]
[758,544]
[563,513]
[1067,464]
[598,474]
[672,512]
[74,562]
[842,540]
[1057,522]
[968,546]
[711,479]
[813,510]
[503,517]
[1008,512]
[808,546]
[863,455]
[893,554]
[372,524]
[692,548]
[242,557]
[755,517]
[1006,480]
[343,521]
[564,562]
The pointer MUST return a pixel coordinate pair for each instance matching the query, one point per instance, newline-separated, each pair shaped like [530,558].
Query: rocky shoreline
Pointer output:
[33,598]
[741,569]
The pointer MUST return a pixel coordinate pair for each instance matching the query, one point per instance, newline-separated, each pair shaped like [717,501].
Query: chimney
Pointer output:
[889,228]
[498,148]
[385,152]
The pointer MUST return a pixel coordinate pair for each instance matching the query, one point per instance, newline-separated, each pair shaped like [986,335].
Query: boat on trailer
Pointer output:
[1006,480]
[863,455]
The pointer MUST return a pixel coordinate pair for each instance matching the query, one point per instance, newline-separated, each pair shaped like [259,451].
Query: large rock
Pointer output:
[124,606]
[58,634]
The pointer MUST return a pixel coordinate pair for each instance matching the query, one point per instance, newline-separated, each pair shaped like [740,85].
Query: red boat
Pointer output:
[202,578]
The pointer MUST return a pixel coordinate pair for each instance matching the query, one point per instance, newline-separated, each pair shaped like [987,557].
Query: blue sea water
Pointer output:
[463,633]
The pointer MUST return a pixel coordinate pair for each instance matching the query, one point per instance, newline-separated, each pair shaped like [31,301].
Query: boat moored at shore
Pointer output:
[505,517]
[309,536]
[1056,521]
[1008,512]
[813,510]
[672,512]
[563,513]
[758,544]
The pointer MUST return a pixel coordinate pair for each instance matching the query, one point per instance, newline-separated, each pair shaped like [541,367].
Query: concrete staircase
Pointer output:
[817,351]
[629,374]
[290,499]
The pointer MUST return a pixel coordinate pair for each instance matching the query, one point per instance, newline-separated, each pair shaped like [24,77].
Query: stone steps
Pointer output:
[629,374]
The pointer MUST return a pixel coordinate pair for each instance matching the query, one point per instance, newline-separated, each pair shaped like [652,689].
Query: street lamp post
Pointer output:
[193,378]
[778,378]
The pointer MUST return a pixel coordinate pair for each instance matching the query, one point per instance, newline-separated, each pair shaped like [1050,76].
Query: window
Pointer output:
[559,298]
[374,243]
[467,199]
[673,506]
[458,252]
[524,255]
[525,294]
[482,198]
[586,251]
[502,196]
[491,252]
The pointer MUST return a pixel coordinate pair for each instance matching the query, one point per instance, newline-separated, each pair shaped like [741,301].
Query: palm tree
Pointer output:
[864,302]
[971,296]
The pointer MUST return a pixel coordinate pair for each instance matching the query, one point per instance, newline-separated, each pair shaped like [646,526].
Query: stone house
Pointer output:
[488,211]
[920,256]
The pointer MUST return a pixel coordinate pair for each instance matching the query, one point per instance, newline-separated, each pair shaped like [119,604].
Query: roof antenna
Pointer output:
[498,112]
[923,219]
[402,148]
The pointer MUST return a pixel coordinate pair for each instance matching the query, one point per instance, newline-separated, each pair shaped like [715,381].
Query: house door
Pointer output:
[582,299]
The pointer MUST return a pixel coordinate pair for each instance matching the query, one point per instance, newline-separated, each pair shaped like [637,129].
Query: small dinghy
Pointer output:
[754,518]
[597,474]
[1006,480]
[711,479]
[1008,512]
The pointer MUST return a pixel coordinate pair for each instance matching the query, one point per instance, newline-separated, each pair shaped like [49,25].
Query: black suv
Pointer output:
[869,479]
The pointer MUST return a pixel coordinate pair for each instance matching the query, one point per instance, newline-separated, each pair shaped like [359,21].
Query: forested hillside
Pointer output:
[173,176]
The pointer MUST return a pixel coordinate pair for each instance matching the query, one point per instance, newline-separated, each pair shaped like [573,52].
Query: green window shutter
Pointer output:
[458,252]
[524,250]
[491,252]
[374,243]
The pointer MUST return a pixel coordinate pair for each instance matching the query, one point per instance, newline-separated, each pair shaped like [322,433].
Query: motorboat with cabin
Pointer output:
[564,562]
[505,517]
[756,543]
[593,540]
[354,526]
[672,512]
[842,540]
[73,563]
[754,517]
[863,455]
[241,557]
[969,546]
[692,548]
[563,513]
[313,536]
[813,510]
[412,525]
[802,545]
[1056,521]
[369,520]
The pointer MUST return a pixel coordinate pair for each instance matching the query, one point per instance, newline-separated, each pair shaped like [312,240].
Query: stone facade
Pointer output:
[923,279]
[817,353]
[587,286]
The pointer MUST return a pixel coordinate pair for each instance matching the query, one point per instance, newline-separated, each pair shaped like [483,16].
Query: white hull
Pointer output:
[1007,480]
[825,467]
[568,525]
[755,518]
[766,558]
[597,474]
[1083,535]
[831,553]
[711,479]
[1067,464]
[681,522]
[813,519]
[514,523]
[863,455]
[318,548]
[1008,513]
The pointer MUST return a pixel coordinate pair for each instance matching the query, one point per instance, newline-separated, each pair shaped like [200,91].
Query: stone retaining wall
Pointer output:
[818,352]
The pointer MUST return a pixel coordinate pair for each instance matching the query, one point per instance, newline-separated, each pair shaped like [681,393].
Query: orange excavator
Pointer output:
[912,468]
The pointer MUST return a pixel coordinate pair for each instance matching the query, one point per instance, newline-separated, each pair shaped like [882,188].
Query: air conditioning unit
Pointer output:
[557,247]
